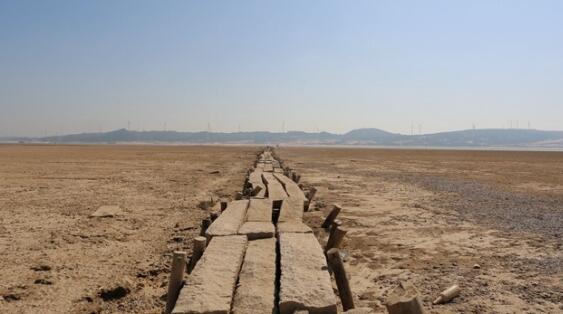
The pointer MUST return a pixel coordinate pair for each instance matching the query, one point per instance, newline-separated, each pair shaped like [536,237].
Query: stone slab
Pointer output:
[257,230]
[268,168]
[305,281]
[293,227]
[256,287]
[292,210]
[230,220]
[292,188]
[259,210]
[275,189]
[107,211]
[210,287]
[255,178]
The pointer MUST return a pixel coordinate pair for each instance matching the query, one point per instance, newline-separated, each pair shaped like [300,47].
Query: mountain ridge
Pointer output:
[364,136]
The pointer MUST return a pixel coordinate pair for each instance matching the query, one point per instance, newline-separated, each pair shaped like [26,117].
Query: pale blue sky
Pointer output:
[73,66]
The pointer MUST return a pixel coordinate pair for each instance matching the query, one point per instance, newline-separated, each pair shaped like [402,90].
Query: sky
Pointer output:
[402,66]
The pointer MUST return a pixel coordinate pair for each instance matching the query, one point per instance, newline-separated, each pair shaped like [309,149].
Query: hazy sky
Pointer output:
[73,66]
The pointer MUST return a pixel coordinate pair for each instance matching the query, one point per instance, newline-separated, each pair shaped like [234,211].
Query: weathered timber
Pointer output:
[331,216]
[344,291]
[176,280]
[305,283]
[205,223]
[199,247]
[256,285]
[211,285]
[447,295]
[335,224]
[336,238]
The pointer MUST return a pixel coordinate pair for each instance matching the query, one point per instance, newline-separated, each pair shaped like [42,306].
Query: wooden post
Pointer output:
[447,295]
[404,300]
[256,190]
[335,224]
[224,205]
[176,280]
[205,223]
[336,238]
[213,216]
[335,263]
[310,195]
[199,246]
[330,218]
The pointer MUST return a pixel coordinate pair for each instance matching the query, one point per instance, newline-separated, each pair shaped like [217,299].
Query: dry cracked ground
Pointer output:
[56,259]
[491,222]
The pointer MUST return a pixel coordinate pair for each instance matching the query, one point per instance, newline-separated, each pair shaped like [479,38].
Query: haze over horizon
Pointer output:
[400,66]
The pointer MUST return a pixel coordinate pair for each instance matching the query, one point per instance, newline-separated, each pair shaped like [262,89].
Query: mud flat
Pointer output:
[488,221]
[57,258]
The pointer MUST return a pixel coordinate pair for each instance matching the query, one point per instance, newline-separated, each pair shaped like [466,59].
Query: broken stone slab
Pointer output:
[256,288]
[292,188]
[210,287]
[404,299]
[292,210]
[268,167]
[293,227]
[362,310]
[259,210]
[305,281]
[230,220]
[255,179]
[275,188]
[107,211]
[257,230]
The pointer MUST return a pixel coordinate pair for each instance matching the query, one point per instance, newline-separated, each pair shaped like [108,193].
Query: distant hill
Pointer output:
[464,138]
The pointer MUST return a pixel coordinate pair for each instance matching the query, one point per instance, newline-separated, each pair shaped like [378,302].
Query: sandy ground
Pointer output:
[429,217]
[56,259]
[491,222]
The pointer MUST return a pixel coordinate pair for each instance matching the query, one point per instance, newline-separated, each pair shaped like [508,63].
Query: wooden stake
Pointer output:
[205,223]
[213,216]
[336,238]
[176,280]
[224,205]
[335,263]
[310,195]
[199,247]
[335,224]
[256,190]
[447,295]
[330,218]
